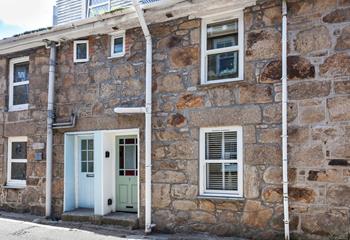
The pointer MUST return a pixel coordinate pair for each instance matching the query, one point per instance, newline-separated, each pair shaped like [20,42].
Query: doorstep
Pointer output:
[129,220]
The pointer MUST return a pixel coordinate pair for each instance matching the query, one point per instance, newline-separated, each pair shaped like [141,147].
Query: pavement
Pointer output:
[14,226]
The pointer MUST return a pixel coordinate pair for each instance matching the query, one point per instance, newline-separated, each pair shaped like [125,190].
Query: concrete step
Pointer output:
[129,220]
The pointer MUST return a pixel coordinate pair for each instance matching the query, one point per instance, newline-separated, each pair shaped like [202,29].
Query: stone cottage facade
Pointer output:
[189,115]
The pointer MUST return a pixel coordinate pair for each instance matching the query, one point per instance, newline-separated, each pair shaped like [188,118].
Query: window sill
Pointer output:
[117,56]
[14,186]
[221,81]
[18,108]
[81,61]
[218,198]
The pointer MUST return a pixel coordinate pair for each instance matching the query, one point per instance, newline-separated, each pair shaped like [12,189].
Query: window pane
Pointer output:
[21,72]
[94,11]
[83,144]
[130,141]
[121,157]
[217,180]
[83,155]
[231,176]
[230,145]
[91,156]
[221,35]
[95,2]
[83,167]
[130,157]
[118,45]
[90,167]
[223,66]
[213,142]
[18,171]
[20,94]
[19,150]
[91,144]
[214,176]
[81,51]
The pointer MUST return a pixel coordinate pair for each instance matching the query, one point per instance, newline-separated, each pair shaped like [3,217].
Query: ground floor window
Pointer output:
[221,160]
[17,161]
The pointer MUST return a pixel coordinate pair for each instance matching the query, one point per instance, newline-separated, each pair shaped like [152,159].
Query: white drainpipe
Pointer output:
[148,119]
[285,119]
[50,118]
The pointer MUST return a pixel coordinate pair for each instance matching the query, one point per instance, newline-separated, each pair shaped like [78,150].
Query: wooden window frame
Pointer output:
[12,182]
[76,60]
[114,36]
[240,47]
[12,84]
[203,191]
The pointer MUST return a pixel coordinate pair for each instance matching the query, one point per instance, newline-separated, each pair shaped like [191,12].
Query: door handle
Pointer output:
[90,175]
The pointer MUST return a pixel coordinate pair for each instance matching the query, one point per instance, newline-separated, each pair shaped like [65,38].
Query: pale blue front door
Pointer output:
[86,173]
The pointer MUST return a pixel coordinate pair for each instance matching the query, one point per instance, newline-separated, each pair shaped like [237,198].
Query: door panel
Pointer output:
[86,173]
[127,171]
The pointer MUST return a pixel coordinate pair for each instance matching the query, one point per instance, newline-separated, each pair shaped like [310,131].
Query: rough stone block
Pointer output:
[339,108]
[314,39]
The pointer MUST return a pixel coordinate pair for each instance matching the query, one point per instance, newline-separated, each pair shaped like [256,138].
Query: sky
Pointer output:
[17,16]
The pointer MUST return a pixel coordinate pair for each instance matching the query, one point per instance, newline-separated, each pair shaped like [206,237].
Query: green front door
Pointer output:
[127,172]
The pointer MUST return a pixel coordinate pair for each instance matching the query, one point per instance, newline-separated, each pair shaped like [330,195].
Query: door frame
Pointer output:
[116,151]
[77,140]
[70,202]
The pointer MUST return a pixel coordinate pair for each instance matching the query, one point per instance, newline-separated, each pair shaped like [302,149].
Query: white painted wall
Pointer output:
[109,172]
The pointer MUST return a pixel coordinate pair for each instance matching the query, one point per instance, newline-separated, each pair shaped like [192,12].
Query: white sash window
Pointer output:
[222,48]
[221,162]
[17,161]
[19,84]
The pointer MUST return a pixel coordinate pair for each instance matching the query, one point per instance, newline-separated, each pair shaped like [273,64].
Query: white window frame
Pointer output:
[240,47]
[11,182]
[76,60]
[12,83]
[89,7]
[120,34]
[203,191]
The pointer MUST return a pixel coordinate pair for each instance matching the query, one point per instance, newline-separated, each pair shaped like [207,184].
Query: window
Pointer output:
[19,84]
[98,7]
[81,51]
[222,49]
[128,157]
[118,45]
[221,170]
[87,156]
[17,161]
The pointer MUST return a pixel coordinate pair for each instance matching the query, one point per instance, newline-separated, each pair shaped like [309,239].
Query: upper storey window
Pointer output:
[97,7]
[222,49]
[19,84]
[81,51]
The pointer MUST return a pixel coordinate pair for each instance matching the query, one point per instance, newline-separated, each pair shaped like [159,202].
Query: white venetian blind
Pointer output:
[221,156]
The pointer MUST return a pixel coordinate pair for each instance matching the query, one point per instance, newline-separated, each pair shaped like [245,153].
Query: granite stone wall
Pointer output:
[318,115]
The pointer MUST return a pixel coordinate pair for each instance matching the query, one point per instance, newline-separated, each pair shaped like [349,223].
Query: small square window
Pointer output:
[19,84]
[17,161]
[81,51]
[222,51]
[118,45]
[221,164]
